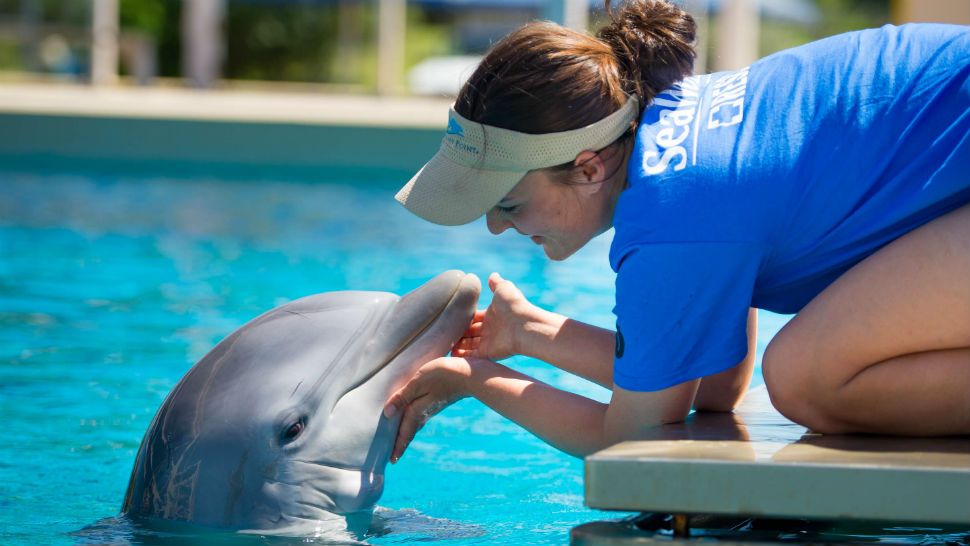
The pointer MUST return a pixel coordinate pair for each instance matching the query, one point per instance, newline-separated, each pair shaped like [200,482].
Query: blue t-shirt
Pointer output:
[758,188]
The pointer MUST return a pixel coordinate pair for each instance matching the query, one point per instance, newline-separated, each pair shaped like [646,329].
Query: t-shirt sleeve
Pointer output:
[681,311]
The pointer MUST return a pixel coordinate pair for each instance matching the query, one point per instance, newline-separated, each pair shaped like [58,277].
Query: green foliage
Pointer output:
[425,38]
[837,16]
[9,56]
[280,42]
[311,41]
[776,35]
[148,16]
[70,12]
[74,12]
[840,16]
[160,20]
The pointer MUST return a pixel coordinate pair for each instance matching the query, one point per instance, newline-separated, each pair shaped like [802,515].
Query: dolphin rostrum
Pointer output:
[281,424]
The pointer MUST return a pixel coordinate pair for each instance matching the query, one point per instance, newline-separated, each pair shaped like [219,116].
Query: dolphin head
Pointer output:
[281,424]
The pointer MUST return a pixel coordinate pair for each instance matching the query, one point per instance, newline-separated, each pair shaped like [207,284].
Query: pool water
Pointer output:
[112,287]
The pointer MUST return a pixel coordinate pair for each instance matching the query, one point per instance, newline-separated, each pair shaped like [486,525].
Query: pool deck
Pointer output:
[223,105]
[184,131]
[757,463]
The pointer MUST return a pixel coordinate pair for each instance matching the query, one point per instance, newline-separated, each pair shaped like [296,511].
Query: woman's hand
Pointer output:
[497,332]
[435,386]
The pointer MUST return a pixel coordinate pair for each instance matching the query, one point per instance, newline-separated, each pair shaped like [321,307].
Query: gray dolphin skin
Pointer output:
[281,424]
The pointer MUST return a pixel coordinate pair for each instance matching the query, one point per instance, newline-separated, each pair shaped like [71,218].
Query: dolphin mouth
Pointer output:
[467,286]
[446,302]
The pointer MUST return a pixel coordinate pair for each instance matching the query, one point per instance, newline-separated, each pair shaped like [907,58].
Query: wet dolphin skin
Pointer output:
[281,424]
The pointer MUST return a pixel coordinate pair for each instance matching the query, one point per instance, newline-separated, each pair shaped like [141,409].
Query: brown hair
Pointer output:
[545,78]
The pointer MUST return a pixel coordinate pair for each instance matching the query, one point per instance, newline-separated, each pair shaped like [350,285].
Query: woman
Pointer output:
[831,180]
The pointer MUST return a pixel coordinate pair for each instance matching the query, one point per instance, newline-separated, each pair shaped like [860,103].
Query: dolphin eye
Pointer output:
[293,431]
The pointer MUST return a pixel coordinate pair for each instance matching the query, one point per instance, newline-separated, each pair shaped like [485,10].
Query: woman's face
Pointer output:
[560,217]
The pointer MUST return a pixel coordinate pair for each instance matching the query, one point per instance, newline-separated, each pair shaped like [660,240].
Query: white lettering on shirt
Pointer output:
[675,127]
[727,100]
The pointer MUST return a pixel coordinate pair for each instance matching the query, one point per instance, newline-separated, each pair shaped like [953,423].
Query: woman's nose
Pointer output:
[496,223]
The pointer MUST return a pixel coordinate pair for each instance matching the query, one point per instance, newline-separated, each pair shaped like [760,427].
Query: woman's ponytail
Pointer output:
[653,40]
[545,78]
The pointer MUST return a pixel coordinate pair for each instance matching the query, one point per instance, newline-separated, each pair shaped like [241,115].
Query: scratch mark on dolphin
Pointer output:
[236,486]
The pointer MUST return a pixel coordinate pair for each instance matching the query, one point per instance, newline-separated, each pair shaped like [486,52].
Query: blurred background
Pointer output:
[387,47]
[296,88]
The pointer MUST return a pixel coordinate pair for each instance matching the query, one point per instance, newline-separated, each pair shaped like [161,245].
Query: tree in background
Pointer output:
[320,41]
[837,16]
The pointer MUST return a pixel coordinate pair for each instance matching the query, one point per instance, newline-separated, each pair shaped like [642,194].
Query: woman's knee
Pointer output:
[795,391]
[783,368]
[783,385]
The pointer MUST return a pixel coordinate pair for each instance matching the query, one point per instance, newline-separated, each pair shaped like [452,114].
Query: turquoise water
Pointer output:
[111,288]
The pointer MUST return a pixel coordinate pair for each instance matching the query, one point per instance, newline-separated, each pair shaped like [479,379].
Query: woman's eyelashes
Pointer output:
[507,209]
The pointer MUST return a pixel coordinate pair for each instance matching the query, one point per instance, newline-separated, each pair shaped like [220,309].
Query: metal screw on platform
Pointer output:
[681,525]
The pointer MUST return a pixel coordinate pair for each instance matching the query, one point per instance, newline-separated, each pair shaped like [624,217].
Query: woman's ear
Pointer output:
[592,171]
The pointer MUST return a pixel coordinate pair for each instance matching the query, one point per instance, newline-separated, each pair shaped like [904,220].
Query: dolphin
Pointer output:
[280,426]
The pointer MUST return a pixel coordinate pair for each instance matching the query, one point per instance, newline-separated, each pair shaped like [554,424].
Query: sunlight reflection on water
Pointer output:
[110,288]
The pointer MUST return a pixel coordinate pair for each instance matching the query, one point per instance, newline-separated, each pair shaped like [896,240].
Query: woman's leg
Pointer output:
[886,347]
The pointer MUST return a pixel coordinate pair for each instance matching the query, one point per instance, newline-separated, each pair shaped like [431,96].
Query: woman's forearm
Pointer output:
[724,391]
[567,421]
[573,346]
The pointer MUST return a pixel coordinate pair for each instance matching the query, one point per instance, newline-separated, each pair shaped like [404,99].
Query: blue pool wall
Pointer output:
[235,149]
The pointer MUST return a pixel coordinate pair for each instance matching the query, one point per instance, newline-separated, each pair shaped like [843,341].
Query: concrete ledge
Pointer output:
[224,105]
[242,134]
[756,463]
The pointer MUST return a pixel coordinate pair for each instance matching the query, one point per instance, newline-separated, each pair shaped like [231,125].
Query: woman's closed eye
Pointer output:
[507,209]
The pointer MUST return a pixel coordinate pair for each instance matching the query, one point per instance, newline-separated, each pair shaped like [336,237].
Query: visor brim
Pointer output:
[449,194]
